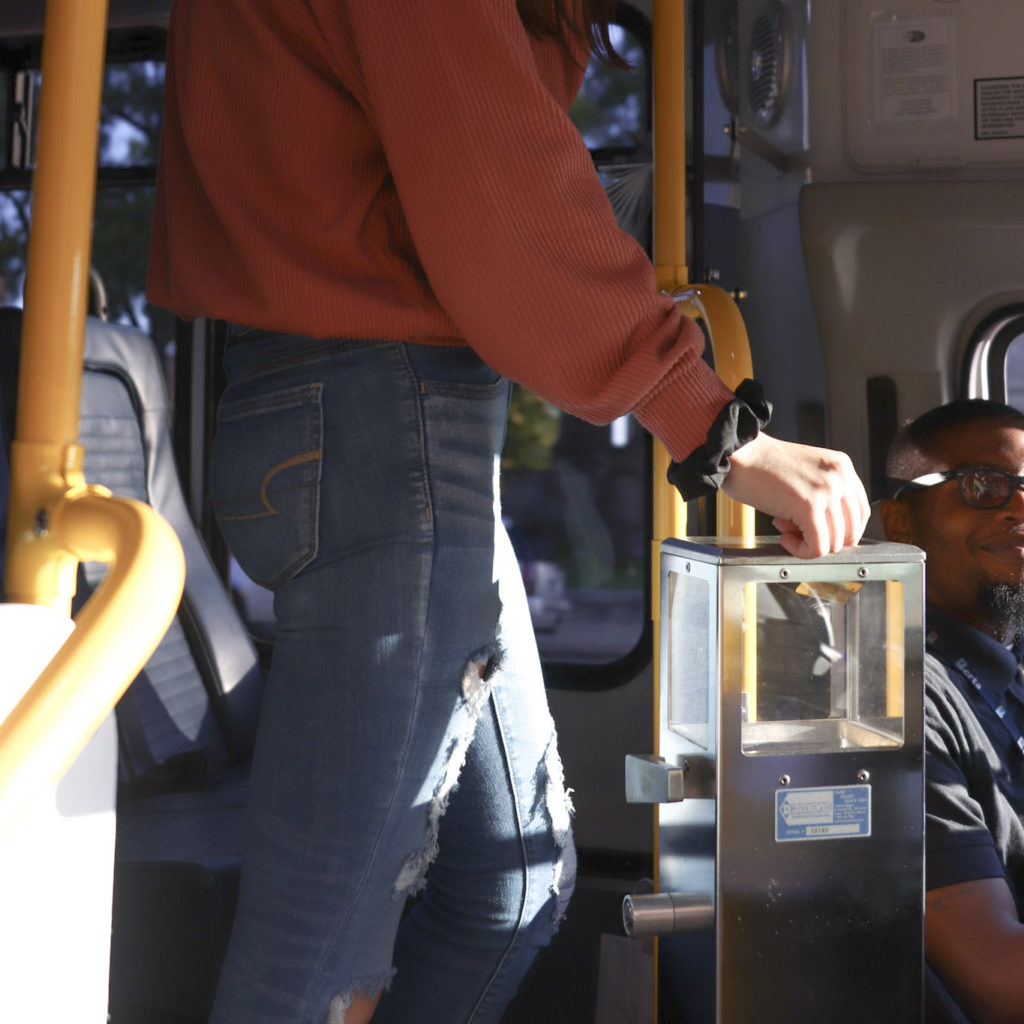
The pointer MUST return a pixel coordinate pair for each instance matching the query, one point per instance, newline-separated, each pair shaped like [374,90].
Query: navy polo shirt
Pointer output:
[974,768]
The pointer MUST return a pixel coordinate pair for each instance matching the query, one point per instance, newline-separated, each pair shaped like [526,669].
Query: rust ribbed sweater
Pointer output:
[405,169]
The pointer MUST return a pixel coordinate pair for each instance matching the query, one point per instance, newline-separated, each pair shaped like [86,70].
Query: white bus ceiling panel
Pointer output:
[900,274]
[925,88]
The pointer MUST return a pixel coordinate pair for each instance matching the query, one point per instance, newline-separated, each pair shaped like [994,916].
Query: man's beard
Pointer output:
[1004,607]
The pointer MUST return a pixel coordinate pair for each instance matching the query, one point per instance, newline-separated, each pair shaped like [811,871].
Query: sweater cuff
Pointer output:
[704,469]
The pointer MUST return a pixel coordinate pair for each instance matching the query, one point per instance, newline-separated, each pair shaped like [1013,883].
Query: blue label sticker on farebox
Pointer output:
[827,812]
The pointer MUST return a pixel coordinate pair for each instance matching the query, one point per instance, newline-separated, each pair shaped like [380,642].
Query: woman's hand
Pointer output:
[814,496]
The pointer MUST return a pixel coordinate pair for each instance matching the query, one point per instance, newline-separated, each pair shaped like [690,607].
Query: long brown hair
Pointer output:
[557,18]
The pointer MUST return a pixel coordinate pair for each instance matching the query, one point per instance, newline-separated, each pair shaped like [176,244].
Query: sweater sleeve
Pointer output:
[514,231]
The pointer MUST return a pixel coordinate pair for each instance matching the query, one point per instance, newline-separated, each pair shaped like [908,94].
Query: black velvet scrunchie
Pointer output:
[704,469]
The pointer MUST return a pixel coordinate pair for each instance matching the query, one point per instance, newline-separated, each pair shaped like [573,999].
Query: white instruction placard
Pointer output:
[914,62]
[824,812]
[999,108]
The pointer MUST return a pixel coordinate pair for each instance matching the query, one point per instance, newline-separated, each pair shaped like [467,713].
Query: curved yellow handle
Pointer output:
[730,349]
[724,323]
[116,632]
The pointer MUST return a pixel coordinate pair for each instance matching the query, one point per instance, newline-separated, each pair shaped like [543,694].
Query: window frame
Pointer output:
[985,355]
[124,45]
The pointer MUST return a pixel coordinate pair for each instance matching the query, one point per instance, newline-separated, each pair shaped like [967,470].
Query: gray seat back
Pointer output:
[192,712]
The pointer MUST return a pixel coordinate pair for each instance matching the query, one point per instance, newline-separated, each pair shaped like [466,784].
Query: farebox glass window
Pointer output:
[690,657]
[826,670]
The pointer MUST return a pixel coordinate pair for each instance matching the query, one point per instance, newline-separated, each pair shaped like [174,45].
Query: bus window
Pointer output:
[612,110]
[14,214]
[18,88]
[132,106]
[131,114]
[1015,369]
[5,93]
[995,357]
[574,496]
[613,114]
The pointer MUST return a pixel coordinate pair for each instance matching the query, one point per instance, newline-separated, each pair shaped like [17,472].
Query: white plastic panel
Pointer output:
[933,85]
[900,274]
[57,857]
[56,889]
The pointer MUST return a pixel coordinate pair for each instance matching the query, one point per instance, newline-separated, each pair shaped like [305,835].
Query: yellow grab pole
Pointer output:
[669,88]
[55,519]
[115,633]
[669,85]
[717,310]
[45,460]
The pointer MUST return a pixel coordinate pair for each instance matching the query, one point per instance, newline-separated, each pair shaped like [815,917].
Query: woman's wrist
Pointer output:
[739,422]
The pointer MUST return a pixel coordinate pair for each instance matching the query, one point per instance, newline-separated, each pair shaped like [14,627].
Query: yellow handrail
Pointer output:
[55,519]
[717,310]
[730,350]
[668,512]
[115,634]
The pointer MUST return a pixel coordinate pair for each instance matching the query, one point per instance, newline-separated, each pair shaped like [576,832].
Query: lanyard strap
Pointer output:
[996,705]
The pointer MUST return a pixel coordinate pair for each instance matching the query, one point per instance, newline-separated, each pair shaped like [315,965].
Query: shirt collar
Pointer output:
[949,638]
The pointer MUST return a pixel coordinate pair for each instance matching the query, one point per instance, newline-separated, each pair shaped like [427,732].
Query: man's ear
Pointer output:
[897,521]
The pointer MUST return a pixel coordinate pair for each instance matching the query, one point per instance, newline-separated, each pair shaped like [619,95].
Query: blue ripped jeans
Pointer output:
[405,744]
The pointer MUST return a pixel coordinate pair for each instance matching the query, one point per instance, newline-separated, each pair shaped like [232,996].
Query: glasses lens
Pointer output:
[986,488]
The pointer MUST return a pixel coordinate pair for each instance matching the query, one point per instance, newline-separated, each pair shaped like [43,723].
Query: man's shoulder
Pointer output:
[938,667]
[941,678]
[950,720]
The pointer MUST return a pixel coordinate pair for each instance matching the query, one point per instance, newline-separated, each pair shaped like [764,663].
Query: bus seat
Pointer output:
[192,713]
[124,427]
[186,725]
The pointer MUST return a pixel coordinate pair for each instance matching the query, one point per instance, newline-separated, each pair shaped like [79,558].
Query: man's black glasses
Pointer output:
[980,486]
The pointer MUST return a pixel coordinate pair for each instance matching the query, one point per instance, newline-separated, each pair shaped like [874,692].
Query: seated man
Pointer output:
[958,476]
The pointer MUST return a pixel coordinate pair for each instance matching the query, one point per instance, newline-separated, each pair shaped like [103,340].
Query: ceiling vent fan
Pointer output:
[769,63]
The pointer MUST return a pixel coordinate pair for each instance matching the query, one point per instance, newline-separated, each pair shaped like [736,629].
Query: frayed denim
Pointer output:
[405,745]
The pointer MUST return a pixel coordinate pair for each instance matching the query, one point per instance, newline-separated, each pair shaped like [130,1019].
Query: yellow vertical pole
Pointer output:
[56,520]
[669,100]
[669,84]
[45,457]
[725,326]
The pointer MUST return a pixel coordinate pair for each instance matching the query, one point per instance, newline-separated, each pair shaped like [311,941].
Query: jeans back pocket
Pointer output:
[265,479]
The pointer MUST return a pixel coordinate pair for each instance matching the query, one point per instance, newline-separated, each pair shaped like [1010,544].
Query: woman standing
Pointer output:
[387,198]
